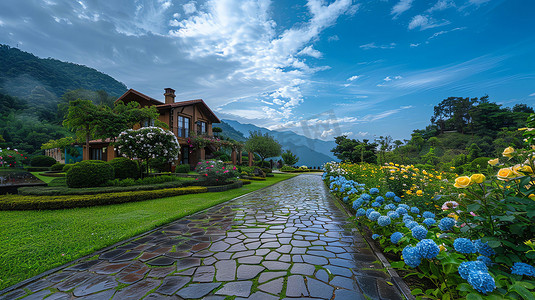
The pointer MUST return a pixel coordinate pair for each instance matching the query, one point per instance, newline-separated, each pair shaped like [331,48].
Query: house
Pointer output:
[183,119]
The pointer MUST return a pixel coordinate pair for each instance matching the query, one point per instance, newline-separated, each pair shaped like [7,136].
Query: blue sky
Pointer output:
[319,68]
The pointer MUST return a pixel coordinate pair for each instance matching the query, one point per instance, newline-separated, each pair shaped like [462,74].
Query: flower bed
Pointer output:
[469,237]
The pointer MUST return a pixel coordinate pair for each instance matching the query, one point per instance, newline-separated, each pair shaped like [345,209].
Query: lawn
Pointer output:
[36,241]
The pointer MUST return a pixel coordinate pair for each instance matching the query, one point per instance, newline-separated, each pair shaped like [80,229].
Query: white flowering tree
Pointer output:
[147,143]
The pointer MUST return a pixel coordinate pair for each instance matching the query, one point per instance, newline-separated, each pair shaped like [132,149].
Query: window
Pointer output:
[185,155]
[147,123]
[201,127]
[183,126]
[96,153]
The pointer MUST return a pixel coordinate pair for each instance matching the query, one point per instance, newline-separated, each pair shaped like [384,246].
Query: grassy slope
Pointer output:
[36,241]
[46,179]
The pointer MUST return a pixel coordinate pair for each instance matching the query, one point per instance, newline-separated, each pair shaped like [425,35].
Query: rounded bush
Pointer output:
[66,168]
[42,161]
[124,168]
[185,168]
[57,167]
[89,173]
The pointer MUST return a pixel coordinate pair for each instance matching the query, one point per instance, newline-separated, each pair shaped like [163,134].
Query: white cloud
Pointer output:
[327,133]
[310,51]
[478,2]
[414,45]
[532,95]
[401,7]
[362,133]
[333,38]
[189,8]
[176,15]
[354,77]
[441,5]
[1,23]
[348,133]
[444,32]
[374,46]
[425,22]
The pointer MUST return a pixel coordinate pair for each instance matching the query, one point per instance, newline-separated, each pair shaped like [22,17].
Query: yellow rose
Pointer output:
[516,170]
[526,169]
[531,196]
[508,152]
[462,182]
[477,178]
[505,173]
[494,162]
[419,192]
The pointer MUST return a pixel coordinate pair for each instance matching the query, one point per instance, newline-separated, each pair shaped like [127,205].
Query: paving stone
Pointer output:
[137,290]
[321,253]
[180,254]
[94,285]
[57,296]
[252,260]
[225,270]
[368,285]
[161,272]
[303,269]
[342,294]
[296,286]
[194,291]
[236,288]
[38,285]
[187,272]
[261,252]
[319,289]
[262,296]
[155,296]
[223,255]
[315,260]
[57,277]
[83,266]
[106,268]
[271,245]
[204,274]
[272,287]
[203,253]
[36,296]
[219,246]
[344,282]
[209,261]
[248,271]
[133,273]
[186,263]
[108,294]
[112,254]
[339,271]
[322,275]
[72,282]
[267,276]
[388,291]
[161,261]
[13,295]
[272,256]
[276,265]
[172,284]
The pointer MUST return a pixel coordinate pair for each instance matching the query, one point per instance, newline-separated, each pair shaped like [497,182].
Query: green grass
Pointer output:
[36,241]
[46,179]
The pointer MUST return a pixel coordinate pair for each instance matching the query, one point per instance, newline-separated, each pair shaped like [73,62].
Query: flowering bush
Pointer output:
[216,172]
[12,158]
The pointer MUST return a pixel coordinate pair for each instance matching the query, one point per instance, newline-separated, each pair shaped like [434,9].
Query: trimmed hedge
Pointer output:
[57,167]
[19,202]
[66,168]
[185,168]
[37,169]
[42,161]
[89,173]
[52,174]
[125,168]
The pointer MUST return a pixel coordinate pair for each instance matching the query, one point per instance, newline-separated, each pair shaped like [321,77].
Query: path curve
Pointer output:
[285,241]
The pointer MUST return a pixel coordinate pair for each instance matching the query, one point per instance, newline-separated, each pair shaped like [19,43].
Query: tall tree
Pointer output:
[354,150]
[263,145]
[289,158]
[83,117]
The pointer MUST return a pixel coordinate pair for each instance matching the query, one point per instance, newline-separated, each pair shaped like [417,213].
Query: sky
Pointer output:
[320,68]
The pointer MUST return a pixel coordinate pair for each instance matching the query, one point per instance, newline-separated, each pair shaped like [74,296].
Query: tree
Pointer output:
[83,117]
[385,143]
[263,145]
[147,143]
[354,150]
[289,158]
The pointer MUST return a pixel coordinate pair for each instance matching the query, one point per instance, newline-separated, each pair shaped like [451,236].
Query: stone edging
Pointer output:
[98,252]
[400,284]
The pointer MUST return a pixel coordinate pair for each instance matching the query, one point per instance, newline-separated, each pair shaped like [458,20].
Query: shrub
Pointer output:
[20,202]
[213,172]
[263,164]
[57,167]
[37,169]
[124,168]
[287,169]
[89,173]
[42,161]
[185,168]
[267,170]
[160,164]
[66,168]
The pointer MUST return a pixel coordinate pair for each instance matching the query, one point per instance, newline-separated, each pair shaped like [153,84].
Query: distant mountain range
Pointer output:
[311,152]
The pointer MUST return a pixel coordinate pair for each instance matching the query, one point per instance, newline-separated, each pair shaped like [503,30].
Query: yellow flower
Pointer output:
[477,178]
[391,178]
[531,196]
[453,215]
[442,248]
[419,192]
[508,152]
[462,182]
[505,173]
[494,162]
[526,169]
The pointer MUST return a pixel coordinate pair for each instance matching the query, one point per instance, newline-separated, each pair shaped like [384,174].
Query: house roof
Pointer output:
[207,109]
[132,91]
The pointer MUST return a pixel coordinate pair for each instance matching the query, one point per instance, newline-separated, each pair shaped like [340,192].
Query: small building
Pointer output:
[183,118]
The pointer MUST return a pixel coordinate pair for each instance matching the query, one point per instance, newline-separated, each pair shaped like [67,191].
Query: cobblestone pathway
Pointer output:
[286,241]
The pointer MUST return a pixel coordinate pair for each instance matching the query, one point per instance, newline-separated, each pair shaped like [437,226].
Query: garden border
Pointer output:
[98,252]
[398,281]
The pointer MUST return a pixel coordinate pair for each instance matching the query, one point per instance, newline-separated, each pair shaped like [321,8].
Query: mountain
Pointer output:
[311,152]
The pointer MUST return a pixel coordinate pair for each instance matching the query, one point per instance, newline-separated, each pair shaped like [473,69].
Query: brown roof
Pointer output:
[214,118]
[152,100]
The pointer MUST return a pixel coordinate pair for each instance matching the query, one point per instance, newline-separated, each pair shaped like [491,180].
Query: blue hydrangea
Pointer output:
[427,248]
[405,206]
[345,199]
[464,245]
[418,216]
[376,236]
[408,217]
[395,237]
[401,210]
[483,248]
[357,203]
[446,224]
[376,204]
[411,257]
[429,222]
[392,214]
[380,199]
[481,281]
[411,224]
[384,221]
[369,211]
[360,212]
[397,199]
[415,210]
[390,195]
[487,261]
[419,232]
[466,267]
[523,269]
[366,197]
[374,216]
[428,214]
[390,206]
[374,191]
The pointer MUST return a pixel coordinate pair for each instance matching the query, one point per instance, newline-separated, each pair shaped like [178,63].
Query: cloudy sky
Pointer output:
[319,68]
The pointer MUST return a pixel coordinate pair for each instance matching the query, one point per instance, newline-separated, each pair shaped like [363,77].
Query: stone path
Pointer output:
[285,241]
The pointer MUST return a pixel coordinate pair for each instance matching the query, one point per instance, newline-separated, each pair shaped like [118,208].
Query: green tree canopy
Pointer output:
[354,150]
[263,145]
[289,158]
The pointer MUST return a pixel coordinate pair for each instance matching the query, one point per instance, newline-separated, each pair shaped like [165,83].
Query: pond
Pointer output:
[11,179]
